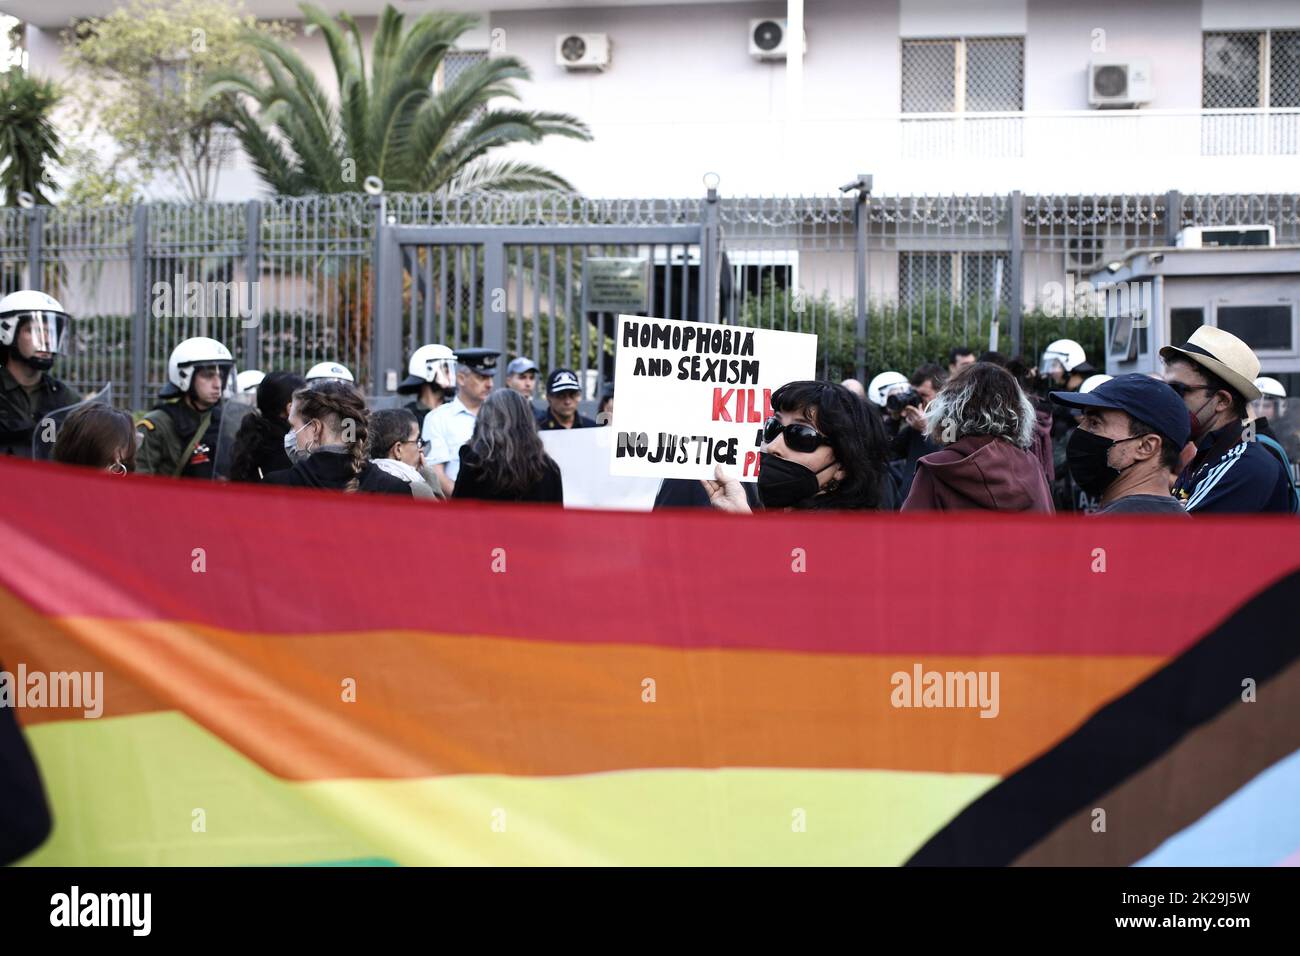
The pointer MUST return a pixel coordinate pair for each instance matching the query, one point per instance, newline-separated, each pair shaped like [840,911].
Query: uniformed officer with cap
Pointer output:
[451,424]
[521,376]
[562,395]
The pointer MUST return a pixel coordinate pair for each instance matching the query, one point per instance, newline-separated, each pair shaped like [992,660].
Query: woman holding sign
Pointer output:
[822,449]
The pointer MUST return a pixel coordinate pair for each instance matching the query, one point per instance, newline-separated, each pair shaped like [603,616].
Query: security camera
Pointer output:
[863,183]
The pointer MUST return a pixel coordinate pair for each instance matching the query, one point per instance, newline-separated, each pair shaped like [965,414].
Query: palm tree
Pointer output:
[388,123]
[29,145]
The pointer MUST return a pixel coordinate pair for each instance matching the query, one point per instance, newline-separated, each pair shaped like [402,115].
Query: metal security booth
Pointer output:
[1157,296]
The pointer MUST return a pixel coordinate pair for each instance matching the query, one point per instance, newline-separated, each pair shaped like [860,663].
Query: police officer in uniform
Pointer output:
[179,437]
[32,330]
[562,395]
[450,425]
[431,378]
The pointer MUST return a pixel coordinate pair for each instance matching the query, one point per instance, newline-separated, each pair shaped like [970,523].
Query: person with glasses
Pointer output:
[822,449]
[986,424]
[397,448]
[1214,373]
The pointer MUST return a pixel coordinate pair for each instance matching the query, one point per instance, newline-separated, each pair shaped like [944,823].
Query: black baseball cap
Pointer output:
[562,380]
[1147,399]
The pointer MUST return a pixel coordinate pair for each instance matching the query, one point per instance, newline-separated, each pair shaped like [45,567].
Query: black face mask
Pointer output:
[782,483]
[1086,454]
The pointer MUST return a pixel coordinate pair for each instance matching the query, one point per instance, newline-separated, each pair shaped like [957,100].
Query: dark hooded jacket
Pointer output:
[333,469]
[980,472]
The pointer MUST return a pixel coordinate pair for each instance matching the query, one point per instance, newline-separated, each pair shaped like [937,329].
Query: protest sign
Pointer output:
[583,457]
[692,396]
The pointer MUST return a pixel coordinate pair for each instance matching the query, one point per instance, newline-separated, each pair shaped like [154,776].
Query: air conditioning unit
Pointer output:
[1119,83]
[1207,237]
[582,51]
[768,39]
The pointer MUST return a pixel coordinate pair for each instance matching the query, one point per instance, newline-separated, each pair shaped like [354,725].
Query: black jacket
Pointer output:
[471,483]
[20,412]
[259,448]
[333,469]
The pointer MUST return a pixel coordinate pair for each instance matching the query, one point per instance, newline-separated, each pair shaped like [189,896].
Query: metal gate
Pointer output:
[518,289]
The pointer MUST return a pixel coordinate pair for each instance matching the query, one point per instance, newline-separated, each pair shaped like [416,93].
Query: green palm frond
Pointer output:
[388,121]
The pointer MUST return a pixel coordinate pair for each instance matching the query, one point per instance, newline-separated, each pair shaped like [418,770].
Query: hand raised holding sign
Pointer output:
[725,493]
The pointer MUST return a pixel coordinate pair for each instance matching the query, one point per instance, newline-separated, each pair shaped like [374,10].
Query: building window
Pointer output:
[975,75]
[966,277]
[1251,70]
[455,63]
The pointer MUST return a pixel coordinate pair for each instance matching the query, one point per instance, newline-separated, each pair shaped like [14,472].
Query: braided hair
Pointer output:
[335,405]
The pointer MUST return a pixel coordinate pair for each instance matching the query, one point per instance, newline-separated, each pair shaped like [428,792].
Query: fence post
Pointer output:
[386,279]
[1173,216]
[860,290]
[1016,255]
[494,299]
[36,248]
[140,312]
[253,271]
[710,236]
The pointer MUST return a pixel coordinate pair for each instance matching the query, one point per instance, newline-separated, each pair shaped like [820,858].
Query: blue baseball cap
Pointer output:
[1147,399]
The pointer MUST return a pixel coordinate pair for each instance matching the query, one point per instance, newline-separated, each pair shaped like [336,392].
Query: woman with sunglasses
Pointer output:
[822,449]
[396,447]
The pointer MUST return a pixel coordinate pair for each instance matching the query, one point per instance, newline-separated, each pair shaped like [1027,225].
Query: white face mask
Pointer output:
[291,444]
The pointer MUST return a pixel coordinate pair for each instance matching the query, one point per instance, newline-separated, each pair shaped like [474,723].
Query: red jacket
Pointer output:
[979,471]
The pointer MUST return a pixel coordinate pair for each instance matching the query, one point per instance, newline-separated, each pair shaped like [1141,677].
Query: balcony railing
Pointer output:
[1044,135]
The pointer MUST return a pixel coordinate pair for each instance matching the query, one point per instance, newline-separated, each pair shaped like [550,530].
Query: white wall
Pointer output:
[1059,44]
[684,98]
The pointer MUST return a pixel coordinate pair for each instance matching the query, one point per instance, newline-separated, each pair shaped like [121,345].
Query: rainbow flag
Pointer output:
[308,678]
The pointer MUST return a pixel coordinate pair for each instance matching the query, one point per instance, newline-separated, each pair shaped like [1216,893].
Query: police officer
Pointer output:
[431,378]
[450,425]
[179,437]
[32,330]
[329,372]
[562,395]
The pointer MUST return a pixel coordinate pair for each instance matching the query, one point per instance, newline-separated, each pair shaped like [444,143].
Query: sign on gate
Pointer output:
[615,285]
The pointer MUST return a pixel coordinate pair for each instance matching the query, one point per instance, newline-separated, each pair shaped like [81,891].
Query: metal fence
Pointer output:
[885,281]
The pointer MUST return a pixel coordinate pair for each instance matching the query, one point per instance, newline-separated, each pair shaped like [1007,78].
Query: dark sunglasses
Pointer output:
[1180,389]
[798,436]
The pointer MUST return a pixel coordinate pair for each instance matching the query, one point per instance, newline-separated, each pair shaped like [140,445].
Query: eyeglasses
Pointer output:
[798,436]
[424,443]
[1180,389]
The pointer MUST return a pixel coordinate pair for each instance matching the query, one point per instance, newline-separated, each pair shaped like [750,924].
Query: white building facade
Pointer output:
[930,96]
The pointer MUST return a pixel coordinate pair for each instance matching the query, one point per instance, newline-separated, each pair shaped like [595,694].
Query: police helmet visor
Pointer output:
[442,373]
[48,330]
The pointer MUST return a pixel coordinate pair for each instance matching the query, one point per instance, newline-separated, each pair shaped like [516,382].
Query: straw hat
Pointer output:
[1223,354]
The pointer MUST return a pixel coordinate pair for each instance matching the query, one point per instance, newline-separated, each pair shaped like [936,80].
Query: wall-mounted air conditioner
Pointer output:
[1116,83]
[768,39]
[1206,237]
[582,51]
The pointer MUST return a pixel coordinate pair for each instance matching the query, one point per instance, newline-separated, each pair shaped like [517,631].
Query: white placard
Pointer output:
[583,457]
[690,396]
